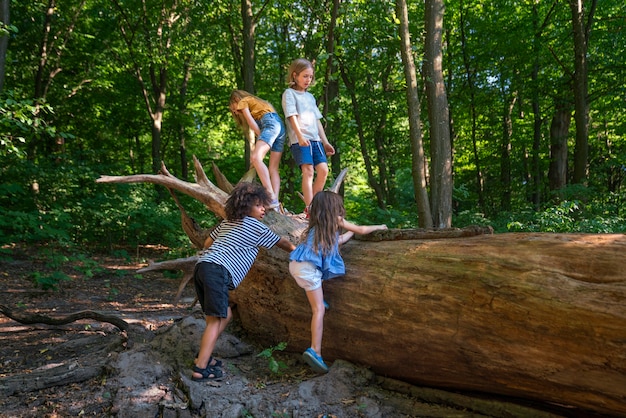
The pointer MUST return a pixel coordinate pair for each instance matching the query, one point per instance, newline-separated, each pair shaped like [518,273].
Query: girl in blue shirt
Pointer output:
[317,258]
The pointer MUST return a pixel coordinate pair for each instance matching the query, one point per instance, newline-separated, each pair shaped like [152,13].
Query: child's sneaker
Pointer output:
[275,205]
[315,361]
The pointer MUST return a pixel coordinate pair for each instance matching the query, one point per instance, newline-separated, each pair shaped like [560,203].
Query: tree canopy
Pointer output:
[115,87]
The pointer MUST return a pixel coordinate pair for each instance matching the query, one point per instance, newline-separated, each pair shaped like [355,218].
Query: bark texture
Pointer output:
[536,316]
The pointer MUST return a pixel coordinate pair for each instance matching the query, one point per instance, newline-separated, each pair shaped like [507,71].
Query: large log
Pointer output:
[535,316]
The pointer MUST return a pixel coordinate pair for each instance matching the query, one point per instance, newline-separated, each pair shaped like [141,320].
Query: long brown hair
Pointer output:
[325,213]
[235,97]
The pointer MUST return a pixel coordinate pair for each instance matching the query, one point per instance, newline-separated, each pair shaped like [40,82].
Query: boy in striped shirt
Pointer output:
[230,251]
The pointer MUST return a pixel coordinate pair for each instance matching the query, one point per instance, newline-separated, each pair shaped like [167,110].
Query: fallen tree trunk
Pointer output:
[534,316]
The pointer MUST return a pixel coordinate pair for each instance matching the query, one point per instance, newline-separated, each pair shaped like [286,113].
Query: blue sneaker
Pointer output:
[315,361]
[326,305]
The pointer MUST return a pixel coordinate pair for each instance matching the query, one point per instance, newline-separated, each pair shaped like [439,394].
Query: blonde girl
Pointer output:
[252,112]
[307,139]
[317,258]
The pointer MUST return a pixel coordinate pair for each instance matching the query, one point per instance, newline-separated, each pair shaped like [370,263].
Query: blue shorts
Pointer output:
[314,154]
[272,131]
[212,282]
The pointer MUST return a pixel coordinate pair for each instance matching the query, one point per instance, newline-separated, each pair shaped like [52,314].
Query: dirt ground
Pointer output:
[91,368]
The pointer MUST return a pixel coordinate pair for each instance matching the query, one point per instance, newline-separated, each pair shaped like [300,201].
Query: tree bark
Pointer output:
[425,219]
[440,145]
[559,130]
[5,19]
[580,31]
[534,316]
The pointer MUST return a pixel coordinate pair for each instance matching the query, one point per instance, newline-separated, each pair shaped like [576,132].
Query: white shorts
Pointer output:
[306,274]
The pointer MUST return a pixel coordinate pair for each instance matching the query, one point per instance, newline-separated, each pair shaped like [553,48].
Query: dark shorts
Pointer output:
[212,282]
[313,154]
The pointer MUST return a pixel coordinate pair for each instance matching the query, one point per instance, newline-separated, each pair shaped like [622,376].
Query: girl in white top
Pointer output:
[308,143]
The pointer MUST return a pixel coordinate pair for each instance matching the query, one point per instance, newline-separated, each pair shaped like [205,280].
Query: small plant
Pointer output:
[87,266]
[274,365]
[49,281]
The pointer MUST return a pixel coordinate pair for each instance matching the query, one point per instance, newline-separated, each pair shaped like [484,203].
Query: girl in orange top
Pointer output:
[252,112]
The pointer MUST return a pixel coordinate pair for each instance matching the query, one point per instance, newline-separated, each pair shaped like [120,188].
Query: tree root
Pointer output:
[43,319]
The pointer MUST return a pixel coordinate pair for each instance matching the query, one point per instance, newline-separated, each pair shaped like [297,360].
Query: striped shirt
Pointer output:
[236,244]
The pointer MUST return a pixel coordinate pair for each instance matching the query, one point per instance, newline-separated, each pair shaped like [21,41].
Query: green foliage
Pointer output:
[275,366]
[49,281]
[89,116]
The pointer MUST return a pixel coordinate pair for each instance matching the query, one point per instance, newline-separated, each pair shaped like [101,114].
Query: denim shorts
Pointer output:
[306,274]
[314,154]
[212,282]
[272,131]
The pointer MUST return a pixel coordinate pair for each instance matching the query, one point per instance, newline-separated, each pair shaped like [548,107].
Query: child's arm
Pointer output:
[295,124]
[250,120]
[285,244]
[330,150]
[357,229]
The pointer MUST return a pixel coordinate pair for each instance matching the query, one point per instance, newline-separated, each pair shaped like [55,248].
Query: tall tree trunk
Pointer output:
[184,169]
[385,164]
[249,60]
[248,68]
[505,150]
[536,173]
[559,131]
[440,146]
[5,19]
[159,88]
[331,92]
[425,219]
[580,32]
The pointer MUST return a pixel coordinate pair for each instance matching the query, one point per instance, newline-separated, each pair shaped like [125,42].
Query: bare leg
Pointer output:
[214,327]
[307,183]
[260,150]
[321,174]
[274,172]
[316,300]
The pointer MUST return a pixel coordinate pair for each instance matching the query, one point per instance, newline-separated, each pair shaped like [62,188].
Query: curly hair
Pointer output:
[324,215]
[243,197]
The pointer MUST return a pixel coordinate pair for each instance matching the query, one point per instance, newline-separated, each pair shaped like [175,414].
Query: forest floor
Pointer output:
[92,368]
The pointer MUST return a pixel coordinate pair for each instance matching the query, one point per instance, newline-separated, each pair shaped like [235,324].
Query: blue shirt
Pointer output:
[331,265]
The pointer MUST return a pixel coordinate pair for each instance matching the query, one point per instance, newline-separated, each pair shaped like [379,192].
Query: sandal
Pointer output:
[208,373]
[218,363]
